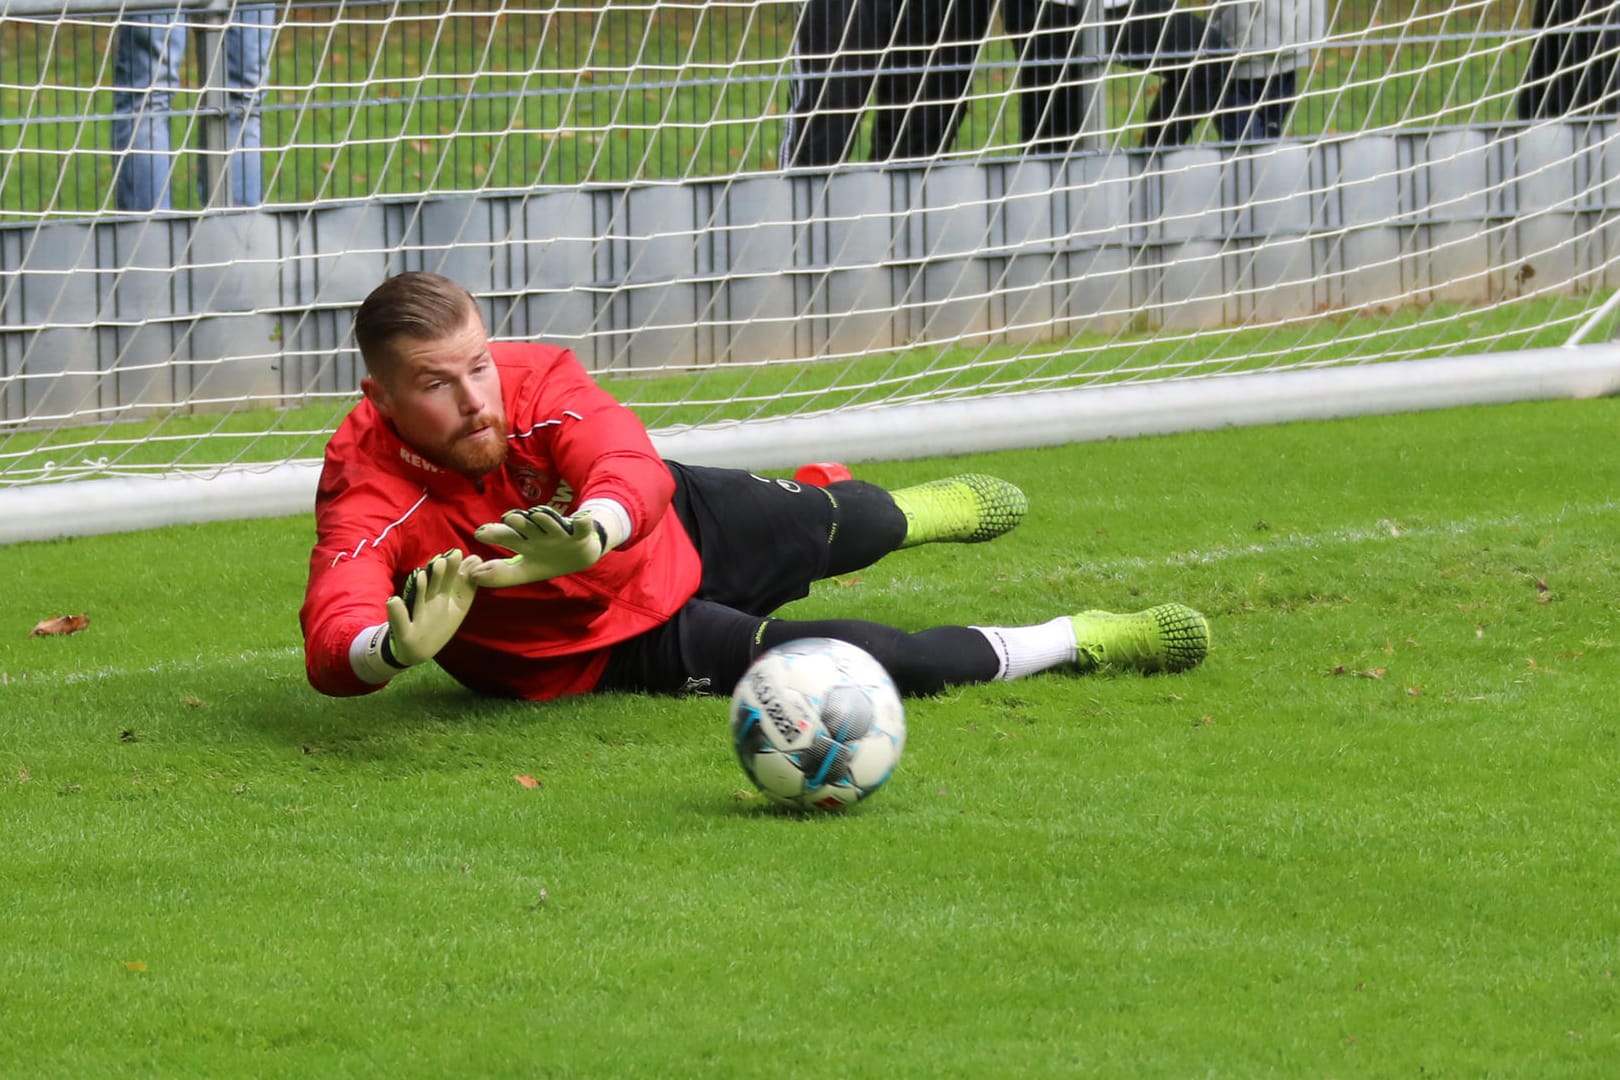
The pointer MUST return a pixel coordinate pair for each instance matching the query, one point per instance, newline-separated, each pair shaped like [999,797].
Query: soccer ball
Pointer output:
[817,724]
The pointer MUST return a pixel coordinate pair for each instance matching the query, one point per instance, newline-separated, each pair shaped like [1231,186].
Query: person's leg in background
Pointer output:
[835,59]
[248,41]
[1256,110]
[1596,91]
[923,85]
[1173,43]
[148,51]
[1051,100]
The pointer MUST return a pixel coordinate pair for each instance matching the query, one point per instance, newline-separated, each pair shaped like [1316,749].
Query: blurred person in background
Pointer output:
[1152,36]
[149,50]
[1572,62]
[916,56]
[1272,42]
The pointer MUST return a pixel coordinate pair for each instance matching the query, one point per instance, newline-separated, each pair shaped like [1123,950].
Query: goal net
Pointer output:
[788,231]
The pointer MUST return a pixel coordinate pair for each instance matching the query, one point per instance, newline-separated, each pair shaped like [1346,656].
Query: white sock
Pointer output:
[1024,650]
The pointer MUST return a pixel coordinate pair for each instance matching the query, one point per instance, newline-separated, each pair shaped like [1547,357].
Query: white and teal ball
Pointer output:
[817,724]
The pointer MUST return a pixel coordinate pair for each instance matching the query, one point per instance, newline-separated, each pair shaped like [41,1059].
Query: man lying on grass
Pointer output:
[574,558]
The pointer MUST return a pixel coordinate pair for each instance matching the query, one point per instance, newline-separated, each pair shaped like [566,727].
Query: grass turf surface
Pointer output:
[1374,834]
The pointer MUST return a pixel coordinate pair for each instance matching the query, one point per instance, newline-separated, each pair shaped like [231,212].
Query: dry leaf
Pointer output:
[1372,673]
[526,780]
[62,624]
[134,965]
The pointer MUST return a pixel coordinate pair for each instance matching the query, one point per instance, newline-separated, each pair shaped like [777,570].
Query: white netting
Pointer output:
[1019,207]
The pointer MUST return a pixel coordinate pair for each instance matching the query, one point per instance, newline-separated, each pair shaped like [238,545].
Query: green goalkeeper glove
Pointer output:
[429,608]
[546,545]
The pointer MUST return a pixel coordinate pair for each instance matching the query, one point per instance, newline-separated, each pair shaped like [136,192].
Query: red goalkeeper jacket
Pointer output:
[381,511]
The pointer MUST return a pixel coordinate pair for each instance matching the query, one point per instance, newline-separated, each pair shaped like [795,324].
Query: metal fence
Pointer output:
[367,100]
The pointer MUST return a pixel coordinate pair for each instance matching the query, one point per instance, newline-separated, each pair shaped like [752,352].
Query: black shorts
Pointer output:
[763,542]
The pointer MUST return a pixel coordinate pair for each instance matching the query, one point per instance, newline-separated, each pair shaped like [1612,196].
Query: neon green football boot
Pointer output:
[967,509]
[1169,637]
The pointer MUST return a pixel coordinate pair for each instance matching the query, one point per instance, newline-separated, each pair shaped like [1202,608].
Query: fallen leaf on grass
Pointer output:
[134,965]
[526,780]
[1370,673]
[62,624]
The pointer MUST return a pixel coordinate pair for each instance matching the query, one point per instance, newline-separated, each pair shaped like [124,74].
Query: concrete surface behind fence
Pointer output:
[153,311]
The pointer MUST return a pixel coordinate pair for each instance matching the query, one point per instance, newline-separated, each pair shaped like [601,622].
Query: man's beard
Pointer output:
[475,459]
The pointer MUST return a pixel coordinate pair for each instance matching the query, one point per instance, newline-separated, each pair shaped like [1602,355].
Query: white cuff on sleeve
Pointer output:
[366,656]
[615,519]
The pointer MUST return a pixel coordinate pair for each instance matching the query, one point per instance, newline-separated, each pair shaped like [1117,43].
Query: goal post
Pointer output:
[1433,223]
[945,428]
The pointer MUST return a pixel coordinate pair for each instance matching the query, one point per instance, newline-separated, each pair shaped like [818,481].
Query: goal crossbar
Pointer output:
[935,428]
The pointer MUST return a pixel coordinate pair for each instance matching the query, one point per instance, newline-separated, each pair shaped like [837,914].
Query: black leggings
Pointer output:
[1575,69]
[1149,35]
[763,542]
[917,55]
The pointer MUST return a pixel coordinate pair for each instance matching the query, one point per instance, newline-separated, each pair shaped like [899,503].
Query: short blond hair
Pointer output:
[417,304]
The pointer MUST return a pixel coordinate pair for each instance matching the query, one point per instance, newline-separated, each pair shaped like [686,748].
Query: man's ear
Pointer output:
[377,394]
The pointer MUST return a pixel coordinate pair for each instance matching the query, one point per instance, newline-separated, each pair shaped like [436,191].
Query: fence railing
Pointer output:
[362,101]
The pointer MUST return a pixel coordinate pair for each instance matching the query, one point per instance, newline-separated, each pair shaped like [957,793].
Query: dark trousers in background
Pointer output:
[1572,70]
[1256,110]
[1151,36]
[917,57]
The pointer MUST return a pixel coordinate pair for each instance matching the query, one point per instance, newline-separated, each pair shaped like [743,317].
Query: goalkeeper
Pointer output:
[489,508]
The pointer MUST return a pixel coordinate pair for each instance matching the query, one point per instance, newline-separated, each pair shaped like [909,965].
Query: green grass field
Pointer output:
[1374,835]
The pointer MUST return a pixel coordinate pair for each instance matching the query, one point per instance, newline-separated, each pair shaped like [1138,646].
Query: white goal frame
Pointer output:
[1018,421]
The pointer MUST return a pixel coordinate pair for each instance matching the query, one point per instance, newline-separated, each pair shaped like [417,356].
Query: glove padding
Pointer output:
[546,544]
[429,608]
